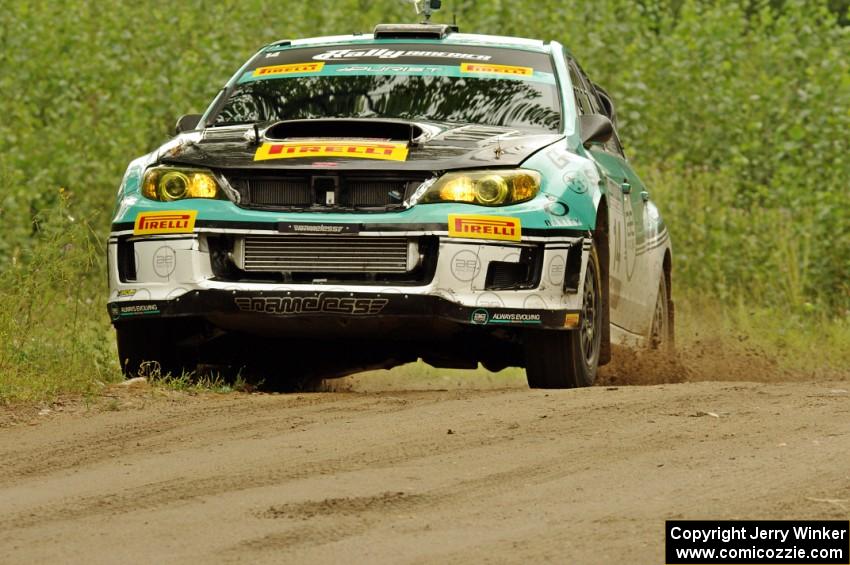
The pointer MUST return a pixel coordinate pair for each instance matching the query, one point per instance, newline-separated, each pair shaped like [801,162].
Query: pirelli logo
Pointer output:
[485,227]
[150,223]
[385,151]
[288,69]
[496,69]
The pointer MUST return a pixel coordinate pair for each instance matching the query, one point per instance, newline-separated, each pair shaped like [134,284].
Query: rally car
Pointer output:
[368,200]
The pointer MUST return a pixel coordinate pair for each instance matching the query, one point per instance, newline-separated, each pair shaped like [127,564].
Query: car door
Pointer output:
[627,269]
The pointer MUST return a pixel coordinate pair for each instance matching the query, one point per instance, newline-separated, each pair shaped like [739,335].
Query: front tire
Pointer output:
[569,359]
[661,332]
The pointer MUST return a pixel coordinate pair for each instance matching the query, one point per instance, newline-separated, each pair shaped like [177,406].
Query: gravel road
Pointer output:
[442,476]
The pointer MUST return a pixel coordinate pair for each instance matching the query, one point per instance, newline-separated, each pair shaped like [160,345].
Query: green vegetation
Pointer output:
[735,113]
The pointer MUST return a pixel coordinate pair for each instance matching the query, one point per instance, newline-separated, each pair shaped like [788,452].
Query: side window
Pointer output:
[582,100]
[585,91]
[595,105]
[580,92]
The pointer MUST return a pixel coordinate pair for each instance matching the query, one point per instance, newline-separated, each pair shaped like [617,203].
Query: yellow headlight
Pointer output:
[202,185]
[525,187]
[485,188]
[458,189]
[491,190]
[173,186]
[168,184]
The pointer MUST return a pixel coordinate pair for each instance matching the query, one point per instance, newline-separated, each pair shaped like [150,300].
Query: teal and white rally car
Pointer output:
[364,201]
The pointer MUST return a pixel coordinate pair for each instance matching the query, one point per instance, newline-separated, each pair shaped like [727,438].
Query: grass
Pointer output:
[188,382]
[801,341]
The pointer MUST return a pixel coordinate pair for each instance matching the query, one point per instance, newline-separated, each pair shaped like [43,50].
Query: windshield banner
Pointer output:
[402,59]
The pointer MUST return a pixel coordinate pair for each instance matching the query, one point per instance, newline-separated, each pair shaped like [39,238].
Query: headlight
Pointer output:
[168,184]
[485,188]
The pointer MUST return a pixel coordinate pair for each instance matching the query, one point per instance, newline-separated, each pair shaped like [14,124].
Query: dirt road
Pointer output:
[585,476]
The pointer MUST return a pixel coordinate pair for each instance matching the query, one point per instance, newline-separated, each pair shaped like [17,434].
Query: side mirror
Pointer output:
[607,103]
[187,122]
[595,128]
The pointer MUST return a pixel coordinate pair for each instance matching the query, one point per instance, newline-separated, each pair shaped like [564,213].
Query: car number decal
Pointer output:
[496,69]
[485,227]
[288,69]
[384,151]
[171,221]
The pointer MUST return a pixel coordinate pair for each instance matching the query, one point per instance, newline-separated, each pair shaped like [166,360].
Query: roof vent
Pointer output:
[413,31]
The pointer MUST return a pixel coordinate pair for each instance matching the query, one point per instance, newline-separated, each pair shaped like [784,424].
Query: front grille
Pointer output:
[288,190]
[373,193]
[292,192]
[328,254]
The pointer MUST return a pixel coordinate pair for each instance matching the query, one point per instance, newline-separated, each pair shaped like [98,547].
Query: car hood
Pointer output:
[431,146]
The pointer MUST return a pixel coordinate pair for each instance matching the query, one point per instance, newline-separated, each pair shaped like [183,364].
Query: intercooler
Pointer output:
[326,254]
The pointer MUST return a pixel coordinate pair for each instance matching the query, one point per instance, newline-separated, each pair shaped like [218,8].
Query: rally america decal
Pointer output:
[485,227]
[172,221]
[343,54]
[319,304]
[382,151]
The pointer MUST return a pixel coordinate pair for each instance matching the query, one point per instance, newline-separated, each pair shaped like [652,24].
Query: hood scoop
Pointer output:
[227,133]
[341,128]
[476,133]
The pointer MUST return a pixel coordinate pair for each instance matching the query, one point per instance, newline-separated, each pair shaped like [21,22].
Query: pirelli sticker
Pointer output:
[152,223]
[288,69]
[485,227]
[486,68]
[382,151]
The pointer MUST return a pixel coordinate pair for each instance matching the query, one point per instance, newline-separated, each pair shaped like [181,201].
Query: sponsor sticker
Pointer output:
[319,304]
[288,69]
[318,228]
[126,292]
[388,69]
[383,151]
[134,310]
[465,265]
[482,316]
[516,318]
[178,221]
[496,69]
[164,261]
[485,227]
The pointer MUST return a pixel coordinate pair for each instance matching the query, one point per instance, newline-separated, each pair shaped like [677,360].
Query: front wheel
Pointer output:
[661,332]
[569,359]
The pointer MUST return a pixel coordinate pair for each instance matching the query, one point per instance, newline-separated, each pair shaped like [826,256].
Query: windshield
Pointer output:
[398,83]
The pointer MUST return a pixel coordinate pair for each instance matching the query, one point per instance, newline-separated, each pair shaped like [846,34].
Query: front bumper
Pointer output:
[174,277]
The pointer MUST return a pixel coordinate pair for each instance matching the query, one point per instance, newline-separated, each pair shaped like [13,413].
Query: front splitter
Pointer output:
[288,306]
